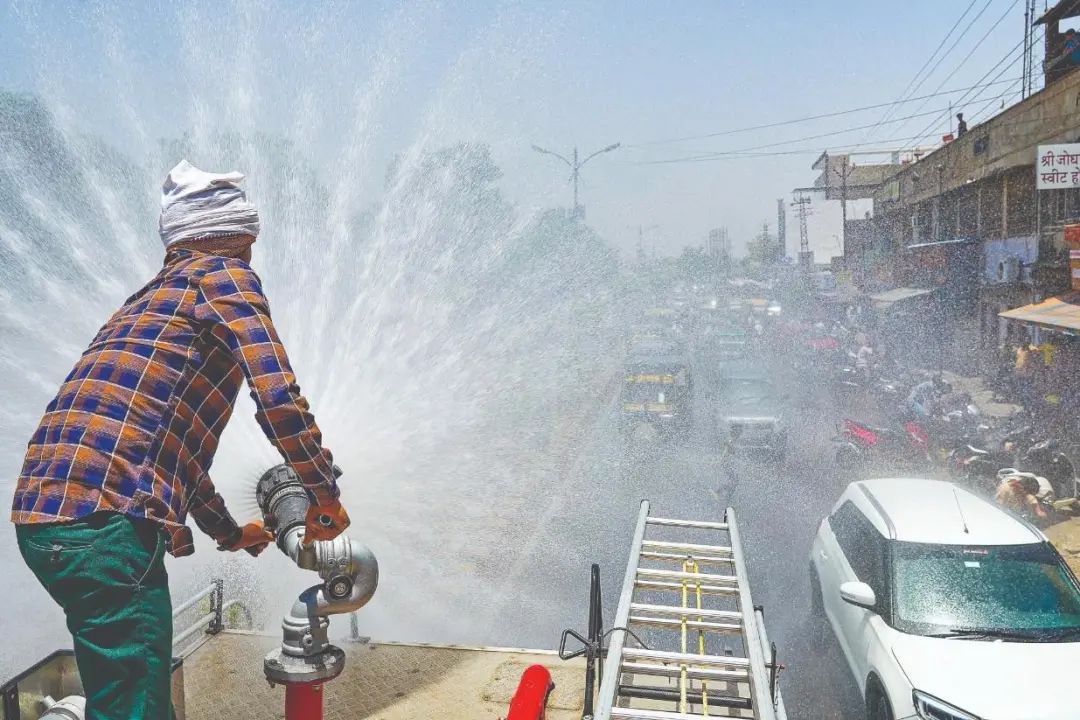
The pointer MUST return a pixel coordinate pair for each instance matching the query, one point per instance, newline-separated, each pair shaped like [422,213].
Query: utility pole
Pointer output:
[800,205]
[781,226]
[843,175]
[575,170]
[1027,86]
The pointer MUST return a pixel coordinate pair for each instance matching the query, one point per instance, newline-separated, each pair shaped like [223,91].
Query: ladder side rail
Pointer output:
[766,649]
[609,687]
[764,709]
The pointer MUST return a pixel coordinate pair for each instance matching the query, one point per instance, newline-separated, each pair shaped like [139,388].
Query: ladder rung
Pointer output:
[663,586]
[695,673]
[688,547]
[703,524]
[685,658]
[694,697]
[679,611]
[640,714]
[683,557]
[691,624]
[680,575]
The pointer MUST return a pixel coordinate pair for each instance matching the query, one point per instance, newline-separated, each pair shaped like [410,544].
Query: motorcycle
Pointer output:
[859,443]
[886,387]
[977,465]
[1045,459]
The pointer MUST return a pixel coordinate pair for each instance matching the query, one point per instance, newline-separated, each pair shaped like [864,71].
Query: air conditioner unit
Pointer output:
[1009,269]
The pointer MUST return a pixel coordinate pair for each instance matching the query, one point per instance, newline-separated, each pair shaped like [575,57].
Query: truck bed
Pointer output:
[223,679]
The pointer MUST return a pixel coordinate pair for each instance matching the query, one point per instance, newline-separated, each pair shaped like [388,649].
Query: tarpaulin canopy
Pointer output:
[1061,312]
[895,295]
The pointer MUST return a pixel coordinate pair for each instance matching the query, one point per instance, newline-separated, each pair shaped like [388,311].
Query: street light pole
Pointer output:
[575,166]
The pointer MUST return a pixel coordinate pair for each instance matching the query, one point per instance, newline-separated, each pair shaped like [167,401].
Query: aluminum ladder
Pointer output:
[706,654]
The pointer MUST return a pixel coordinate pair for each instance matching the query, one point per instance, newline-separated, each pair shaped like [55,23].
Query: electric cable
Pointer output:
[795,121]
[972,52]
[905,91]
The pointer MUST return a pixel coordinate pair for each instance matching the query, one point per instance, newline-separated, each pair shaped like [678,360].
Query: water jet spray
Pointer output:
[349,574]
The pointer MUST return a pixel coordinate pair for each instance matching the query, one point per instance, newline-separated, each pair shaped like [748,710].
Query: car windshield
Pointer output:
[747,390]
[943,589]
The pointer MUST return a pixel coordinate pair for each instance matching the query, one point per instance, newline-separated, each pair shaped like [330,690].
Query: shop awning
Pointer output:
[897,294]
[1061,312]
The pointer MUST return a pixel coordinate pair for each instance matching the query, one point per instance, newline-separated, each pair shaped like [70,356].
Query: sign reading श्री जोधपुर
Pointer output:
[1058,167]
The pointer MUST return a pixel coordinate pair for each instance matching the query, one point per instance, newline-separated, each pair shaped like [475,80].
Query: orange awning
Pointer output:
[1061,312]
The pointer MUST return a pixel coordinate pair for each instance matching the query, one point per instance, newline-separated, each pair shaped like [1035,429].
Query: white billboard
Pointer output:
[1058,167]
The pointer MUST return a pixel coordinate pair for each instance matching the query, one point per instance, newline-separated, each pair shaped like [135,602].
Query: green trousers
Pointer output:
[107,571]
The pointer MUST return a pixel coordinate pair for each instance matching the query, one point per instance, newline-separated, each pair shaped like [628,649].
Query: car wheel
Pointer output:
[878,707]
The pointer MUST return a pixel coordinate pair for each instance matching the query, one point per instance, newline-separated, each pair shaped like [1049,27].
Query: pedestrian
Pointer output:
[864,357]
[961,125]
[122,453]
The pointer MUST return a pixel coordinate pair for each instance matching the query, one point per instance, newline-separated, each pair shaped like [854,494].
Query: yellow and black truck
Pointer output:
[657,389]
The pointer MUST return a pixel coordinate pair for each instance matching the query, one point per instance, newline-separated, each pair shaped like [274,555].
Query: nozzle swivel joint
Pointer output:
[349,573]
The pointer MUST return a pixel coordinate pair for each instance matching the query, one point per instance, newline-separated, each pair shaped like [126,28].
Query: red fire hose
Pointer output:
[530,700]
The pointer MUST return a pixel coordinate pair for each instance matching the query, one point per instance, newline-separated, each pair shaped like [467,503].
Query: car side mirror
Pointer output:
[858,594]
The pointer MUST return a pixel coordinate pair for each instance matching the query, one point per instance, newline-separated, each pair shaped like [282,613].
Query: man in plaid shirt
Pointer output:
[123,452]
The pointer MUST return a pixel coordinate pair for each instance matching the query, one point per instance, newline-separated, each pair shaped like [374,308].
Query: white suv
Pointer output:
[947,607]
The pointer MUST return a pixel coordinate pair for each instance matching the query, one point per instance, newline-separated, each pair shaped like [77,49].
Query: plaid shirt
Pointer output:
[135,426]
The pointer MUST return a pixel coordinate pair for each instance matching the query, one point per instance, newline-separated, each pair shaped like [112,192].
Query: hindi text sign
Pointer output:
[1058,167]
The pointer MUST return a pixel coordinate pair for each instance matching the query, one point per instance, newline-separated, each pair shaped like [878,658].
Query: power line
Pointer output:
[904,92]
[795,121]
[704,154]
[976,47]
[924,132]
[738,155]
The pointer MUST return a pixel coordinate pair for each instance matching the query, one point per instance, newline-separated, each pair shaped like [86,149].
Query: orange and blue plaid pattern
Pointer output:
[135,425]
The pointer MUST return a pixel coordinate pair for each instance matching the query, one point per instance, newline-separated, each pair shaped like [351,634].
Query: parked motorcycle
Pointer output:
[979,467]
[886,386]
[859,444]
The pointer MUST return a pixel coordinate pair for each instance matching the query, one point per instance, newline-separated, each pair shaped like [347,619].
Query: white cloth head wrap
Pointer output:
[197,205]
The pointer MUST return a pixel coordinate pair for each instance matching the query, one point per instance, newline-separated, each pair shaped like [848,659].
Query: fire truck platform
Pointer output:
[223,678]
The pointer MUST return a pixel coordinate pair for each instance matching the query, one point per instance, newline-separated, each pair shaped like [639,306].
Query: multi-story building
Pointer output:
[967,218]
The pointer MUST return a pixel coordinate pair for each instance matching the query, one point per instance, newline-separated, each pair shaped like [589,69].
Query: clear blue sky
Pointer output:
[373,78]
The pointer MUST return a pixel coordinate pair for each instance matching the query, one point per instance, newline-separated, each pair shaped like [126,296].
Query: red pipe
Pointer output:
[304,701]
[530,700]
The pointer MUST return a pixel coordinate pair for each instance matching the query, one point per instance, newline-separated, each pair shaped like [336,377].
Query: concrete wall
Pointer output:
[1010,140]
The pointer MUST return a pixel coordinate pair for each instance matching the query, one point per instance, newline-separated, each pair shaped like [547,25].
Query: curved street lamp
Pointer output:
[575,166]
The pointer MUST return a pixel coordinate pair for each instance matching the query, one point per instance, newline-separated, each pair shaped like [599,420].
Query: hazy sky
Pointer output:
[372,78]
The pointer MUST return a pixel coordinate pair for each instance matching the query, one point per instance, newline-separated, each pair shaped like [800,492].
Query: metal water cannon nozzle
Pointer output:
[349,573]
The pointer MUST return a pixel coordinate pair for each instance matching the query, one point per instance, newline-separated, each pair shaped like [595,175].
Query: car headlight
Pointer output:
[929,707]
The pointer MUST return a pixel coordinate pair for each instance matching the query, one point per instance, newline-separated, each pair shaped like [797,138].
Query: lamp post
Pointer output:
[575,167]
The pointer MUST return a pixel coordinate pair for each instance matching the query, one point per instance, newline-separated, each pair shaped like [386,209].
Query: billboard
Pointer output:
[1058,167]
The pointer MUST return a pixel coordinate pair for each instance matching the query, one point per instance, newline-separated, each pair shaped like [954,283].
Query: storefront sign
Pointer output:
[1058,167]
[1074,268]
[1072,236]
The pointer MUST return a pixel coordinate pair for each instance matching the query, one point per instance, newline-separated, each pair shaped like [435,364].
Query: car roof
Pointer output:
[939,512]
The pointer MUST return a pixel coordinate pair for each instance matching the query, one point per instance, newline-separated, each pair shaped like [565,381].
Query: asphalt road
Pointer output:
[587,515]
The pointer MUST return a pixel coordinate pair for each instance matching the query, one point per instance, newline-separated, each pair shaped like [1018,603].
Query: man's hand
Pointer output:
[253,539]
[325,522]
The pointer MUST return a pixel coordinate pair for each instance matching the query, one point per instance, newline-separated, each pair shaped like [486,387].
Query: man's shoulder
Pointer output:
[218,273]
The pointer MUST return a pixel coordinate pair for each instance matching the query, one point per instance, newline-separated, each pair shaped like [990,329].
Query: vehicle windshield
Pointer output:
[941,589]
[648,392]
[744,390]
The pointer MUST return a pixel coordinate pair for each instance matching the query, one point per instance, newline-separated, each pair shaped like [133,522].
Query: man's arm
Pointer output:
[211,515]
[231,300]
